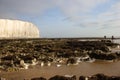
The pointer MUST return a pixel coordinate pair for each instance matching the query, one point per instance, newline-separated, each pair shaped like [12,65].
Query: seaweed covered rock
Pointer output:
[57,77]
[39,78]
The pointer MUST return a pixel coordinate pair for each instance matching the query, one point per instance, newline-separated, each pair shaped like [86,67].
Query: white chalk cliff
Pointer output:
[17,29]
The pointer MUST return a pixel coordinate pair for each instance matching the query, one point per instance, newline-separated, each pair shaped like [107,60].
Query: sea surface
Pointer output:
[117,41]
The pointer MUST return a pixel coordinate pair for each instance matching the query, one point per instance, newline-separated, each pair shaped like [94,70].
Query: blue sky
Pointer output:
[66,18]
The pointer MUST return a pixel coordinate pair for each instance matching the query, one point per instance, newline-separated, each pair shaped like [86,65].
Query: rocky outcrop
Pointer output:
[17,29]
[40,78]
[44,52]
[57,77]
[99,77]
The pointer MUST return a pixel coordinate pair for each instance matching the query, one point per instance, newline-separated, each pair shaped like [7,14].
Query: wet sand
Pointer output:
[84,68]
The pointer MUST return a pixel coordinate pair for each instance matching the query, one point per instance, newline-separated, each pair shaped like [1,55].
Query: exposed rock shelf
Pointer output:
[16,53]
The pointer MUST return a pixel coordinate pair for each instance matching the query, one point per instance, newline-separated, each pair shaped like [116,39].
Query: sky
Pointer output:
[66,18]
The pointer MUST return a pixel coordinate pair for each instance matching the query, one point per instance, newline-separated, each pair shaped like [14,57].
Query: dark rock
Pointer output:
[57,77]
[82,78]
[40,78]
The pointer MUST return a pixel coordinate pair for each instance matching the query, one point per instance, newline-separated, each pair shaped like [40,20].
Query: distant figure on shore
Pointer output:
[112,38]
[105,37]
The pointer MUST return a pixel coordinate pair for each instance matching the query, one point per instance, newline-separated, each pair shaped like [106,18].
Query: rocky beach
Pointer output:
[19,56]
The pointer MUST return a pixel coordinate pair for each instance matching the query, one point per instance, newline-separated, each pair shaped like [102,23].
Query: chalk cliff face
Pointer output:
[17,29]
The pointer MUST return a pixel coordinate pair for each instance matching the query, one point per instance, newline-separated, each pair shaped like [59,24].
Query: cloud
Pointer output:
[106,24]
[108,19]
[14,8]
[71,8]
[75,7]
[77,11]
[111,18]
